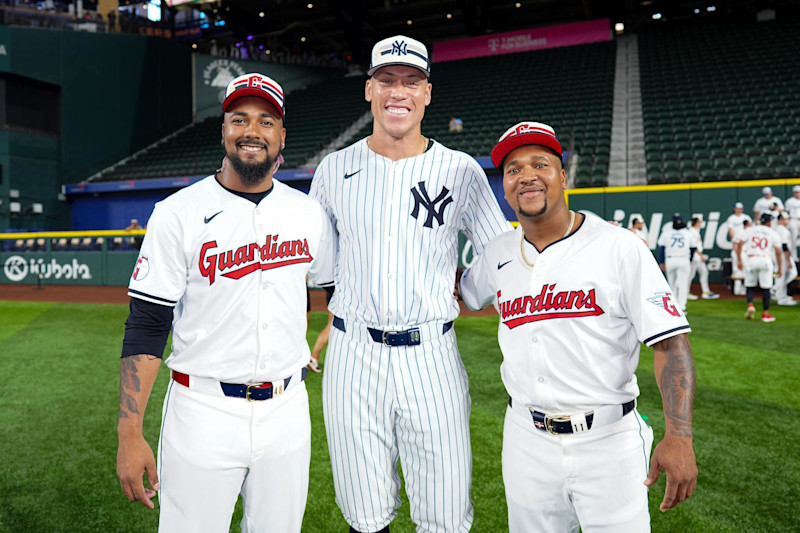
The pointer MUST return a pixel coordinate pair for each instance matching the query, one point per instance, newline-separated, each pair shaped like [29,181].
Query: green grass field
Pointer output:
[58,407]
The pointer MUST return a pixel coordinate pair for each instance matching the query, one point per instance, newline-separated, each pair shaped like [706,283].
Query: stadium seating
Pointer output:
[728,89]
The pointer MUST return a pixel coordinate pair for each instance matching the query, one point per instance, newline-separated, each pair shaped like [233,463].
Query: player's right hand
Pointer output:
[134,459]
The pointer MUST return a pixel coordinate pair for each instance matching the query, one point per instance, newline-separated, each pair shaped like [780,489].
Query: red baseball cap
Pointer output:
[523,134]
[257,85]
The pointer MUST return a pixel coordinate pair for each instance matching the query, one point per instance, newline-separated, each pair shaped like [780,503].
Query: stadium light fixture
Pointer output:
[711,8]
[656,16]
[261,14]
[449,16]
[619,27]
[409,22]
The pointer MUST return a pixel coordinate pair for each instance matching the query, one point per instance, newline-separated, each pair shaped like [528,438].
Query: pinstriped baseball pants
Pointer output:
[409,403]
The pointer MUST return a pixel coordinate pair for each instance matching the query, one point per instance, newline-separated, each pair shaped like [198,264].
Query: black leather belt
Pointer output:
[559,425]
[409,337]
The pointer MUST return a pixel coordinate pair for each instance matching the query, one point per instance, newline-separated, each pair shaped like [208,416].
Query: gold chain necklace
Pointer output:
[522,240]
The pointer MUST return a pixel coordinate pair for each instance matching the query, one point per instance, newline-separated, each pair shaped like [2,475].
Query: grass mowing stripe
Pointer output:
[16,315]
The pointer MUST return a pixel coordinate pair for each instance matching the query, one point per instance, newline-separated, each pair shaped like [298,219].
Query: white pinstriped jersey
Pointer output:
[398,224]
[570,327]
[235,273]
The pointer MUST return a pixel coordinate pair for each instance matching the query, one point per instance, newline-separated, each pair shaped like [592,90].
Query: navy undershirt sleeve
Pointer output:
[146,329]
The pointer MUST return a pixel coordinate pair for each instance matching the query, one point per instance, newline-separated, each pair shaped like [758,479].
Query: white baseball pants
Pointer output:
[409,403]
[678,278]
[564,483]
[213,448]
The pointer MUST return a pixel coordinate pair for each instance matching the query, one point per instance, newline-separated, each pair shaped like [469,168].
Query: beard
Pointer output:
[530,214]
[251,173]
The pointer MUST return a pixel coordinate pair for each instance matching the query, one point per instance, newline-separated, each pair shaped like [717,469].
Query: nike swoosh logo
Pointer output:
[348,176]
[501,265]
[209,219]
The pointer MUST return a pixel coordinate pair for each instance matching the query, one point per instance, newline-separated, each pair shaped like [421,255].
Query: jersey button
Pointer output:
[542,380]
[534,340]
[264,326]
[265,286]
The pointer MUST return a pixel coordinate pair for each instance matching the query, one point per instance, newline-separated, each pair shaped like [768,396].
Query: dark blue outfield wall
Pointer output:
[112,205]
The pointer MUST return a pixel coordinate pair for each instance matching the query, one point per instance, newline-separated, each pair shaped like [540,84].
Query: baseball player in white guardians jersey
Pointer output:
[675,254]
[224,264]
[759,245]
[394,385]
[576,296]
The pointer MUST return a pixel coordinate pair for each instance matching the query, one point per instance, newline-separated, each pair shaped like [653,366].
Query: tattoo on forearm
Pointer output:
[128,384]
[677,384]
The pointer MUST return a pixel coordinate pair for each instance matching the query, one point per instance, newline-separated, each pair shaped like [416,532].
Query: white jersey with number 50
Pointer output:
[759,241]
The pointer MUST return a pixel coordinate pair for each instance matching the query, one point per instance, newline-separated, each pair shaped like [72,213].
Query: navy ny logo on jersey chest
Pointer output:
[423,200]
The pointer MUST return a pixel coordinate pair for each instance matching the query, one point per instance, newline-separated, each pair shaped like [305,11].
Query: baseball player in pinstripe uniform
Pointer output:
[224,264]
[576,296]
[394,385]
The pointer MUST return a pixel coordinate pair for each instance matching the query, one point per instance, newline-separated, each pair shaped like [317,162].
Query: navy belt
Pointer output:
[252,393]
[559,425]
[409,337]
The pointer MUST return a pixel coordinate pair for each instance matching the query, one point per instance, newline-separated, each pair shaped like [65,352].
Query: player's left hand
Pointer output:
[675,456]
[459,271]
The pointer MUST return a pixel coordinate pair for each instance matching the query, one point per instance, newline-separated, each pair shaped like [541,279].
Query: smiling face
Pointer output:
[253,135]
[533,180]
[398,95]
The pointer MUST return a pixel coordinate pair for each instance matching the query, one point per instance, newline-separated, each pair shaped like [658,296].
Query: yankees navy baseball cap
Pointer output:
[258,85]
[523,134]
[677,220]
[766,218]
[400,50]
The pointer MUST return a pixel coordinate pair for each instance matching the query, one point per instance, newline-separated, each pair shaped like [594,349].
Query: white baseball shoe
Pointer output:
[691,296]
[787,302]
[751,312]
[710,296]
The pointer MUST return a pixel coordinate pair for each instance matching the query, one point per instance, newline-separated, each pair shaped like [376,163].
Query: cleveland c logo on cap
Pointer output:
[258,85]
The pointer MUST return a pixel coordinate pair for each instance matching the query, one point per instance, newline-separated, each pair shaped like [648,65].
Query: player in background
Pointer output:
[735,227]
[576,296]
[759,246]
[698,263]
[793,208]
[223,264]
[637,228]
[768,203]
[675,255]
[788,266]
[394,384]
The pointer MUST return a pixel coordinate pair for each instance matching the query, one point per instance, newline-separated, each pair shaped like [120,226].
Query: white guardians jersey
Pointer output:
[235,273]
[570,327]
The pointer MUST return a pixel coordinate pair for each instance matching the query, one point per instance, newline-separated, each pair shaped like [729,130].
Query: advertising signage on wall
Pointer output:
[591,31]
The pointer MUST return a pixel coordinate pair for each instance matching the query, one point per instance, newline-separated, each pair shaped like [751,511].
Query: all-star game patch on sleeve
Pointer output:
[648,299]
[159,275]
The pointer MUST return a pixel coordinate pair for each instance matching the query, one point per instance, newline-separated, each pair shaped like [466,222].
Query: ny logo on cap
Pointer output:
[399,48]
